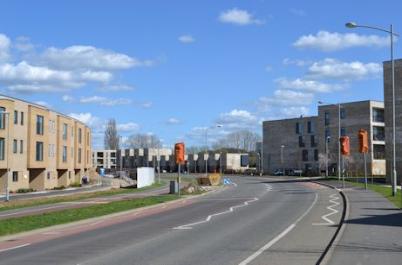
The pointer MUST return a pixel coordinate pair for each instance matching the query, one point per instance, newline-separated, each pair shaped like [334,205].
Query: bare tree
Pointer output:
[241,140]
[111,139]
[143,141]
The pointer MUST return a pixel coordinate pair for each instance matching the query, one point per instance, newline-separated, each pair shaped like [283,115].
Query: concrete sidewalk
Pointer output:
[373,231]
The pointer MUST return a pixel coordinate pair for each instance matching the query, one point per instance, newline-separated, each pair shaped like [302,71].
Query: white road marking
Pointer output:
[51,233]
[268,187]
[231,209]
[334,202]
[278,237]
[20,246]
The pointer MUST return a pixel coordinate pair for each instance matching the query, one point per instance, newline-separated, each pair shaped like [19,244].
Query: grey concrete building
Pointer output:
[367,115]
[290,144]
[388,117]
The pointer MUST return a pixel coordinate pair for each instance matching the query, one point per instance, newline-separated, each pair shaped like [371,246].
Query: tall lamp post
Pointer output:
[326,155]
[391,35]
[339,136]
[283,170]
[206,147]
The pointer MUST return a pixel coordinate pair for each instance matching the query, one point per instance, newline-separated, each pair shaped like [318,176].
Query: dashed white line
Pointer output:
[20,246]
[231,209]
[334,202]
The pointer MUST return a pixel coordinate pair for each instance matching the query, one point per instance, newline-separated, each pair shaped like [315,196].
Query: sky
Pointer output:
[176,69]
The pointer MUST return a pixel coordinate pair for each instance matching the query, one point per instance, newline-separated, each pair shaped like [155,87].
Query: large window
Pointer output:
[2,145]
[315,154]
[2,118]
[64,154]
[343,114]
[15,117]
[378,133]
[79,135]
[39,151]
[21,146]
[22,118]
[65,131]
[79,155]
[379,151]
[301,142]
[326,118]
[312,140]
[305,155]
[15,176]
[378,115]
[310,127]
[39,124]
[15,146]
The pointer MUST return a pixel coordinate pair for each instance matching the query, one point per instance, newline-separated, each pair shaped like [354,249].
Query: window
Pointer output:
[297,128]
[312,140]
[379,151]
[326,118]
[64,153]
[310,127]
[1,148]
[301,143]
[305,155]
[48,175]
[64,131]
[22,118]
[69,174]
[378,133]
[39,124]
[15,176]
[343,114]
[343,131]
[79,135]
[315,154]
[2,118]
[79,155]
[39,151]
[378,115]
[328,134]
[15,146]
[21,146]
[15,117]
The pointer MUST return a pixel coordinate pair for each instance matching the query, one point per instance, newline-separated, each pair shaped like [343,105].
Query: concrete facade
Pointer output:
[106,159]
[290,144]
[367,115]
[31,147]
[388,117]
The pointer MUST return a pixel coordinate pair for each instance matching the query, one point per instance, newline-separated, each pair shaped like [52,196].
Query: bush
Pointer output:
[59,188]
[25,190]
[75,184]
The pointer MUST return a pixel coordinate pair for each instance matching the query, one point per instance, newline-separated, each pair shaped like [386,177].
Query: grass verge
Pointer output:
[384,191]
[15,204]
[27,223]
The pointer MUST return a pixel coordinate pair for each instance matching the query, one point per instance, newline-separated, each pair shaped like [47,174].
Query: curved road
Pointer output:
[254,221]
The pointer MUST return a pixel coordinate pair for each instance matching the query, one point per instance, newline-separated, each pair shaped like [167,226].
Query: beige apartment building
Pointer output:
[40,148]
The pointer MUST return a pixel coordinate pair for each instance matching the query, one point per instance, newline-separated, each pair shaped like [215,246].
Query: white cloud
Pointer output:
[332,41]
[23,44]
[103,101]
[146,105]
[87,118]
[335,69]
[268,68]
[127,127]
[186,39]
[4,47]
[68,98]
[237,119]
[308,85]
[96,76]
[89,57]
[296,62]
[238,17]
[116,88]
[173,121]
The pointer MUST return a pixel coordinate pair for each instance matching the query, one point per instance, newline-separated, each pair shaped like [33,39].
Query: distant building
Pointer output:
[290,144]
[104,159]
[40,148]
[388,117]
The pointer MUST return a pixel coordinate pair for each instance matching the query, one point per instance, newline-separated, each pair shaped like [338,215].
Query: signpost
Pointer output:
[180,159]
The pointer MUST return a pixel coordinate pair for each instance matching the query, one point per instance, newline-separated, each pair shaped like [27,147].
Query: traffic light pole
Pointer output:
[365,170]
[178,180]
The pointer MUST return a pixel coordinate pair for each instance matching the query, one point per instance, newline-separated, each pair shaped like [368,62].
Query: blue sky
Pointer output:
[172,68]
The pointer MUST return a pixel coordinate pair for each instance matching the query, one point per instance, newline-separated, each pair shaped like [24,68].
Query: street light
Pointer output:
[7,143]
[326,155]
[206,147]
[391,34]
[339,137]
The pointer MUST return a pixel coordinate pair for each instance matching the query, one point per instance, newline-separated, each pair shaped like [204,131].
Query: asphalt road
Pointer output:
[256,221]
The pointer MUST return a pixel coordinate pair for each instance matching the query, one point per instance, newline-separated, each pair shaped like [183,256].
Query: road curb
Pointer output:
[327,254]
[103,217]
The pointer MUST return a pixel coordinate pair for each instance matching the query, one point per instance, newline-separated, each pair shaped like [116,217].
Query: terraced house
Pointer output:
[40,148]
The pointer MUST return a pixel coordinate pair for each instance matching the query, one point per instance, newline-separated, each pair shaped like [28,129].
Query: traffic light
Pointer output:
[363,141]
[179,153]
[345,146]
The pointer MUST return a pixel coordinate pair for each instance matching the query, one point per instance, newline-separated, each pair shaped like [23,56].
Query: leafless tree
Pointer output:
[111,139]
[242,140]
[143,141]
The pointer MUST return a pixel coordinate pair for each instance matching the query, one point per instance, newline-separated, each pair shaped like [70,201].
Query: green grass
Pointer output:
[384,191]
[15,204]
[27,223]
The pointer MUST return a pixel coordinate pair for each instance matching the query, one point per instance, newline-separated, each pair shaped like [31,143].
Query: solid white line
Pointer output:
[278,237]
[20,246]
[31,210]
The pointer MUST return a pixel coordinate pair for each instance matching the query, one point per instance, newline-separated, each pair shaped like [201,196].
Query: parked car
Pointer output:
[278,172]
